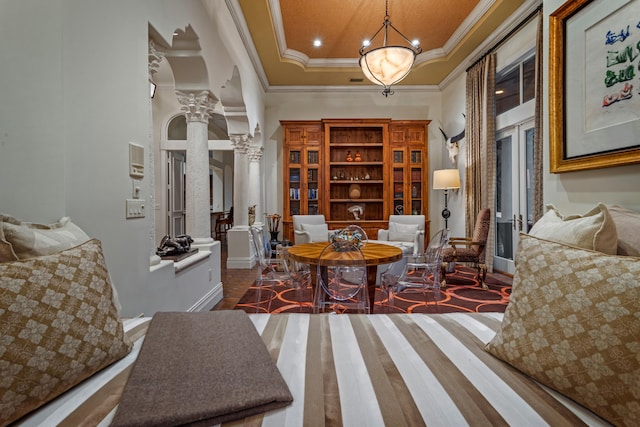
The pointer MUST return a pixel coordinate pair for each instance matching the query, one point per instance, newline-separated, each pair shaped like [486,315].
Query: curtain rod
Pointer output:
[522,23]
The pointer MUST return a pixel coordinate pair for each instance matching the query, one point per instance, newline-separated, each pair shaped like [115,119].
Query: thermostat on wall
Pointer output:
[136,161]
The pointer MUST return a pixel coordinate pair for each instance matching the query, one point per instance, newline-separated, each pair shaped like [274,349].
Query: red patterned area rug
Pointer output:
[462,294]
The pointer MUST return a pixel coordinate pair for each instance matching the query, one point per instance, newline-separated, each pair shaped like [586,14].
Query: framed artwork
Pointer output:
[594,84]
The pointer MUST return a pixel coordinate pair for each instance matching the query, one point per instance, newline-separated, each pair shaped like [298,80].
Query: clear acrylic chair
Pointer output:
[300,292]
[341,280]
[272,270]
[420,277]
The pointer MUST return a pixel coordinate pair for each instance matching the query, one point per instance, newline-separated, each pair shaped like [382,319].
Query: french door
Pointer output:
[514,191]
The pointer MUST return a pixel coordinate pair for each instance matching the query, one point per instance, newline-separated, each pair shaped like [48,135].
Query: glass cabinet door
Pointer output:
[407,181]
[416,182]
[295,184]
[313,188]
[399,182]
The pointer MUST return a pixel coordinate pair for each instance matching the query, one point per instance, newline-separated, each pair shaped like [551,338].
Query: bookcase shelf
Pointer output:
[382,163]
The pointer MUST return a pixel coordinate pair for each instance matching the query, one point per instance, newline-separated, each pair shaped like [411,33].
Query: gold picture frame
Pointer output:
[581,138]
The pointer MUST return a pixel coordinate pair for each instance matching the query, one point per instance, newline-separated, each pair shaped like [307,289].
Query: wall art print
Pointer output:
[594,92]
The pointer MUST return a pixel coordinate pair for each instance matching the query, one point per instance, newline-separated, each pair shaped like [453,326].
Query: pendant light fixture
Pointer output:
[387,65]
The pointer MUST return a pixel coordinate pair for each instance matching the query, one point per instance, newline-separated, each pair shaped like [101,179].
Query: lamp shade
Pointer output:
[387,65]
[446,179]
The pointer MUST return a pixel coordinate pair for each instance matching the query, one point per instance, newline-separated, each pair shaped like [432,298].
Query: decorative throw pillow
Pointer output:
[594,230]
[572,324]
[628,228]
[317,232]
[21,240]
[58,326]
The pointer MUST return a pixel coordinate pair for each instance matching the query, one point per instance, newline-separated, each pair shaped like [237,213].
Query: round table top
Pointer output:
[374,253]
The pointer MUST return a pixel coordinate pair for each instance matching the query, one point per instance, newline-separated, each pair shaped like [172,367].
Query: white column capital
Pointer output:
[240,142]
[255,153]
[197,107]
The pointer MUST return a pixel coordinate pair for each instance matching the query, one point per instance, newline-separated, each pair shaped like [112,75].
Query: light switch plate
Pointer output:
[135,208]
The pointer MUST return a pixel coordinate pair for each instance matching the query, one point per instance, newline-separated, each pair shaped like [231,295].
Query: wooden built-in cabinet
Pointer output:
[302,171]
[409,168]
[336,166]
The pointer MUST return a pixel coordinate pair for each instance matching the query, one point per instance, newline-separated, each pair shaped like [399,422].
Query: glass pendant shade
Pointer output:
[387,65]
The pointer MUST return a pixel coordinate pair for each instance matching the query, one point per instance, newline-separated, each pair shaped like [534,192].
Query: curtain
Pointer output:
[480,132]
[538,196]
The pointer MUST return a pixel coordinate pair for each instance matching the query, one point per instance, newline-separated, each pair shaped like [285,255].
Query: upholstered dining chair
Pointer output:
[421,273]
[341,280]
[406,232]
[469,250]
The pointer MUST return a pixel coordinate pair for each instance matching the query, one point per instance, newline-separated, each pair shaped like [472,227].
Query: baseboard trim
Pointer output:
[240,263]
[208,301]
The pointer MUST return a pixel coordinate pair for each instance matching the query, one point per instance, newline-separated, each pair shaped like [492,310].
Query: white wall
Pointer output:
[453,108]
[75,92]
[32,144]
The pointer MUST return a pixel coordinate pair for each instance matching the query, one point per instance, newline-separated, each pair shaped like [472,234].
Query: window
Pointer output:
[515,85]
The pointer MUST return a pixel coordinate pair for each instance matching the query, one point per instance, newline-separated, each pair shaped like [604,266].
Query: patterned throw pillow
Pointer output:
[58,326]
[573,324]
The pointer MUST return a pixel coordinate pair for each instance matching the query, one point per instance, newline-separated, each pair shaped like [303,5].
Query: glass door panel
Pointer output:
[514,192]
[504,199]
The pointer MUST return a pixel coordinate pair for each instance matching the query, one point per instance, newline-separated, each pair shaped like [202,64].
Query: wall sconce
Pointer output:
[446,179]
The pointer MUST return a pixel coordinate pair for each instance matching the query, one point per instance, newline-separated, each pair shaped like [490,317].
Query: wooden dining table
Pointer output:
[374,254]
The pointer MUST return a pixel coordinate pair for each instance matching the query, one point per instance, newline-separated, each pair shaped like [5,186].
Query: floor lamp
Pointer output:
[446,179]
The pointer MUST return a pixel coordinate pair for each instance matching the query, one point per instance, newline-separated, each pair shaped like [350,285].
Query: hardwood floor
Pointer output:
[234,282]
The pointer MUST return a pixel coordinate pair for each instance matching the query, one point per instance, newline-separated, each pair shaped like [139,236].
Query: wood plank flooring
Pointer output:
[234,282]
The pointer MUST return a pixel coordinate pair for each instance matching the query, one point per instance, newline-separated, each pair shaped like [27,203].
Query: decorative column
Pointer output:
[241,183]
[239,251]
[197,108]
[255,155]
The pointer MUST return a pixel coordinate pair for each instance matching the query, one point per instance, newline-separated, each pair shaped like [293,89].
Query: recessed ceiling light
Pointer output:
[416,42]
[366,42]
[317,42]
[499,92]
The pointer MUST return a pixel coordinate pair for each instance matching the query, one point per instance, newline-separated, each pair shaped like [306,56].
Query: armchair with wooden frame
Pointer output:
[469,250]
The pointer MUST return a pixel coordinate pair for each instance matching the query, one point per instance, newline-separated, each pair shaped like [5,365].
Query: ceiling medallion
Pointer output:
[387,65]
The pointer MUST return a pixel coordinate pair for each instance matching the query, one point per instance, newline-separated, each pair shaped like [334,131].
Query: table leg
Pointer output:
[372,273]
